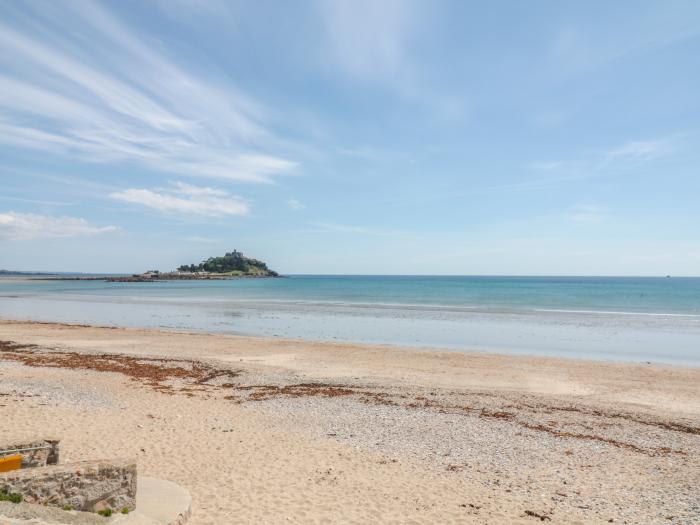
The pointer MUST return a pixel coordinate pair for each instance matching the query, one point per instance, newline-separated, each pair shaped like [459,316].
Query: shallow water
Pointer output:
[637,319]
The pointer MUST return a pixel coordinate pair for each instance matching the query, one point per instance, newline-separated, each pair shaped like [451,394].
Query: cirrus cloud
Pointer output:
[122,99]
[295,204]
[587,214]
[186,199]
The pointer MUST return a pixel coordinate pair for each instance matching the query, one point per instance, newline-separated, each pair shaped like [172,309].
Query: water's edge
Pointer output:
[363,310]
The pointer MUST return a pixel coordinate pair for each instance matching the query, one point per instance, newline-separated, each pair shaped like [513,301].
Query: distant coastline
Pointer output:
[153,277]
[11,273]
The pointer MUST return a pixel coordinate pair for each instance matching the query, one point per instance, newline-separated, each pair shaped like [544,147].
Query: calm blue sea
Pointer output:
[621,318]
[680,295]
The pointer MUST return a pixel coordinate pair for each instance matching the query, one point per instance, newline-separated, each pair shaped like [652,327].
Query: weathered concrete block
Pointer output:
[87,485]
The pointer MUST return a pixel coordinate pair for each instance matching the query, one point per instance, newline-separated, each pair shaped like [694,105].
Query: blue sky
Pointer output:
[389,136]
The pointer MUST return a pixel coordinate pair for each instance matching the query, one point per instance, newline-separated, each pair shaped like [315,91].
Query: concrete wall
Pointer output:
[45,452]
[88,485]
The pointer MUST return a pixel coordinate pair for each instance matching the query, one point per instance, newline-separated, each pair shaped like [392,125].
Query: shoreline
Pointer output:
[634,320]
[420,366]
[593,336]
[317,343]
[266,430]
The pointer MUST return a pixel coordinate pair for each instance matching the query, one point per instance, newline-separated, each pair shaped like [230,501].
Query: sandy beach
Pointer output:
[282,431]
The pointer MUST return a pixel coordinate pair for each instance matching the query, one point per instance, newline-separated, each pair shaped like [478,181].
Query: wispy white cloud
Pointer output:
[186,199]
[367,38]
[189,189]
[586,214]
[27,226]
[578,47]
[374,42]
[636,152]
[295,205]
[629,155]
[98,92]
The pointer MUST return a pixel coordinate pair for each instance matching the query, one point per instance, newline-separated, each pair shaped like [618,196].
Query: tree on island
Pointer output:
[234,263]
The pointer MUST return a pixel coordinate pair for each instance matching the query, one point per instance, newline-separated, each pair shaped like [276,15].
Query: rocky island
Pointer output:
[229,266]
[233,265]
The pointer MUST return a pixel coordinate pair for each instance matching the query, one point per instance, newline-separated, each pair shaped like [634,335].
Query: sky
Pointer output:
[352,136]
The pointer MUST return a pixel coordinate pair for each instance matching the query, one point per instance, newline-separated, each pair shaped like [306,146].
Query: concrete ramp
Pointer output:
[158,502]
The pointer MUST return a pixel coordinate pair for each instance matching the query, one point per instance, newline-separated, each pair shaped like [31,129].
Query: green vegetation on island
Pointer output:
[233,263]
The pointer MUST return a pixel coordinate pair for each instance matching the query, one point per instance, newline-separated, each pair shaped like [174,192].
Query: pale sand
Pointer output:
[391,435]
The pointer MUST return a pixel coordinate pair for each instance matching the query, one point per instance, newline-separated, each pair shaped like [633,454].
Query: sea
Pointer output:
[639,319]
